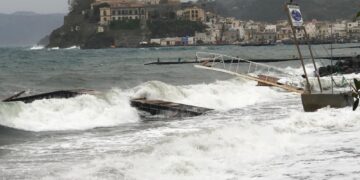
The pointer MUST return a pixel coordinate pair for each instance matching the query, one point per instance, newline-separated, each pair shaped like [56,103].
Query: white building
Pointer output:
[271,28]
[338,29]
[310,28]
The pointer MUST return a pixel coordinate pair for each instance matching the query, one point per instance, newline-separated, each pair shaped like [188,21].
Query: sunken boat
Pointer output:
[313,101]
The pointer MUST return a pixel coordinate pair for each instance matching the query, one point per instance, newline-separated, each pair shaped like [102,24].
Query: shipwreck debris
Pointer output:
[154,107]
[62,94]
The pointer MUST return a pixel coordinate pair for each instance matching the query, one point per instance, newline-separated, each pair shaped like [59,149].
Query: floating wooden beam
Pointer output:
[155,107]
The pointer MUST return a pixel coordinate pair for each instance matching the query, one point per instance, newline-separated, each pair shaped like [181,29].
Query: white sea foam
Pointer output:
[72,47]
[37,47]
[221,95]
[89,111]
[83,112]
[54,48]
[247,149]
[341,81]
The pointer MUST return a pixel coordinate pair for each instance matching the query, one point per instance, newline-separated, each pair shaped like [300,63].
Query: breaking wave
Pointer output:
[244,149]
[80,113]
[221,95]
[72,47]
[37,47]
[113,108]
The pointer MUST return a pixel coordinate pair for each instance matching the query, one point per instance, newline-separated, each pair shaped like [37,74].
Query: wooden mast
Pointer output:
[307,88]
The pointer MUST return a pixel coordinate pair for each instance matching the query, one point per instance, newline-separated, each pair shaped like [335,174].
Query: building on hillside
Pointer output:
[208,37]
[353,31]
[170,1]
[123,11]
[173,41]
[322,32]
[105,15]
[310,28]
[192,13]
[264,37]
[270,28]
[231,37]
[151,2]
[284,34]
[338,29]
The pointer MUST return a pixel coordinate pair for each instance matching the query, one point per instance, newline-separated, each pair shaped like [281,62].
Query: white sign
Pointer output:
[295,15]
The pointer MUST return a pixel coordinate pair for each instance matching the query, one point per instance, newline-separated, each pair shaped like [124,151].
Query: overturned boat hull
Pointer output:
[63,94]
[314,102]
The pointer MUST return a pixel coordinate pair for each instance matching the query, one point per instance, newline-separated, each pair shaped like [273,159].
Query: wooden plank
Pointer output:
[14,96]
[248,77]
[266,60]
[164,107]
[62,94]
[267,78]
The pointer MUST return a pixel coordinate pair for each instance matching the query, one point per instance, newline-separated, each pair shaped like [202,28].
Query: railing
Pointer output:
[246,67]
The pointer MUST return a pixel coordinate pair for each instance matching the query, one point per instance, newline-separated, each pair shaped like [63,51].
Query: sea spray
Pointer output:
[80,113]
[220,95]
[37,47]
[245,148]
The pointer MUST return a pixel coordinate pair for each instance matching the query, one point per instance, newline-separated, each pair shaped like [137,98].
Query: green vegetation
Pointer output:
[171,28]
[78,6]
[129,24]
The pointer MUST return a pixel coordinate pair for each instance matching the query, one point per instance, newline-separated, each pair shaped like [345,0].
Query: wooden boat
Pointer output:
[154,107]
[62,94]
[313,101]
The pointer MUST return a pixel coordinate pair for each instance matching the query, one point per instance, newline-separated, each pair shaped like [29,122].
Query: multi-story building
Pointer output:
[123,11]
[310,28]
[193,13]
[151,2]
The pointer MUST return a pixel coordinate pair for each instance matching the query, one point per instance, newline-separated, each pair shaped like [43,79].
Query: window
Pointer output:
[104,12]
[113,12]
[130,11]
[119,12]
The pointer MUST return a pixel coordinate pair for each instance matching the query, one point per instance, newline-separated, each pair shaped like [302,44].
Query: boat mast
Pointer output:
[332,65]
[313,59]
[307,88]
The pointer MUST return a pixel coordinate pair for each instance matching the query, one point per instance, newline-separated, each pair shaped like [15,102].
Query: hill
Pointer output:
[272,10]
[27,28]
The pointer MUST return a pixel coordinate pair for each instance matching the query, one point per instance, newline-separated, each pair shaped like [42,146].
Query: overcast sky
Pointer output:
[39,6]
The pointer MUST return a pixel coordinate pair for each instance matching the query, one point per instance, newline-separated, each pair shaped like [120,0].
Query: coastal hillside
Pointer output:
[101,24]
[27,28]
[271,10]
[93,24]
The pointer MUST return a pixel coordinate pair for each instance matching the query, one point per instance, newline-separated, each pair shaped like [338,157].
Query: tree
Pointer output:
[79,5]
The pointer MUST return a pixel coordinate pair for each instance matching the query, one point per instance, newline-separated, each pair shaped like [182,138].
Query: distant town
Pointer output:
[193,23]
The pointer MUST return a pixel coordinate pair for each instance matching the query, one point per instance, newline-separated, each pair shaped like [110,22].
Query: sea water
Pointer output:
[253,132]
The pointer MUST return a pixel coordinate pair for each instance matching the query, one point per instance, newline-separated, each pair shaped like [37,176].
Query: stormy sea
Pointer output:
[252,133]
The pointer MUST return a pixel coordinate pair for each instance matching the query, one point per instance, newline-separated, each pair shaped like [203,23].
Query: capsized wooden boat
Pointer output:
[314,102]
[62,94]
[153,107]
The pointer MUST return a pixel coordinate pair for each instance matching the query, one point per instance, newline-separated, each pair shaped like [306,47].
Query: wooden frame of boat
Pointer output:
[154,107]
[313,101]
